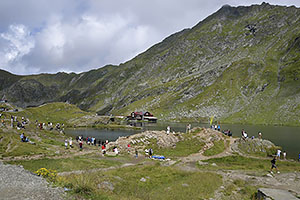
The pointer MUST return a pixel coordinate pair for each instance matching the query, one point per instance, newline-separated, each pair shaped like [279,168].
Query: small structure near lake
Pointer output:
[142,116]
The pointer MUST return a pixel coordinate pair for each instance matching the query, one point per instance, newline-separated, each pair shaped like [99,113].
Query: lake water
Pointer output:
[286,137]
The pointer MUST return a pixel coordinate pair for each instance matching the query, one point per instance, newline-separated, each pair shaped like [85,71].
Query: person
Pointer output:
[116,150]
[278,153]
[80,145]
[259,135]
[22,137]
[128,147]
[103,149]
[299,157]
[146,152]
[273,161]
[71,142]
[188,128]
[66,144]
[150,152]
[136,153]
[219,127]
[284,155]
[168,130]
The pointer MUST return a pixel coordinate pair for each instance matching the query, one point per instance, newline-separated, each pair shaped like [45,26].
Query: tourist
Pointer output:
[80,144]
[128,148]
[278,153]
[299,157]
[12,121]
[274,165]
[168,130]
[259,135]
[284,155]
[116,151]
[71,142]
[66,144]
[150,152]
[188,128]
[136,153]
[22,137]
[146,153]
[219,127]
[103,149]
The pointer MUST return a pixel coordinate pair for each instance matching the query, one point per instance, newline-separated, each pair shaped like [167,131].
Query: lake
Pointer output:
[286,137]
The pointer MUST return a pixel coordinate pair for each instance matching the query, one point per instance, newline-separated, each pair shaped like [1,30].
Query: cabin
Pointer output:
[147,116]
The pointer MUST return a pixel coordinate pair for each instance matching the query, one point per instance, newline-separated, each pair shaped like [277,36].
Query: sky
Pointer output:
[50,36]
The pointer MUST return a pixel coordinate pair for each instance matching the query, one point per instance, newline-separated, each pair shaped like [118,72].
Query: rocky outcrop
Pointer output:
[18,183]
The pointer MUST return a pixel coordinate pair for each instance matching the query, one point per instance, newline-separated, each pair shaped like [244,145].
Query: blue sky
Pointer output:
[79,35]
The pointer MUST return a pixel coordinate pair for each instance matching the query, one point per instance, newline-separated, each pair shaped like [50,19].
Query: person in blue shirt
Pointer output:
[299,157]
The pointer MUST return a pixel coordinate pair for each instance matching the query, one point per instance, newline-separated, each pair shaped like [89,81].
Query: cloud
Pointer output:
[78,35]
[19,43]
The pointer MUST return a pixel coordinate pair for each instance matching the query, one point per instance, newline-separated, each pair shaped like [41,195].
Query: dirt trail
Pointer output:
[35,157]
[199,156]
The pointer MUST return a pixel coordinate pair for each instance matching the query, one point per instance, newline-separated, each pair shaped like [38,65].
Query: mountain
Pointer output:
[241,65]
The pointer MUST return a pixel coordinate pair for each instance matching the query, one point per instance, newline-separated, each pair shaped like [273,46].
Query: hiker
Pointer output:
[12,121]
[136,153]
[168,130]
[219,127]
[150,152]
[284,155]
[66,144]
[244,135]
[71,142]
[299,157]
[274,165]
[128,148]
[147,153]
[188,128]
[278,153]
[259,135]
[22,137]
[80,145]
[103,149]
[115,149]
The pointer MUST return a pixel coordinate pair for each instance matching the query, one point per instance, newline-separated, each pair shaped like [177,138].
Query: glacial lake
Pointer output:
[286,137]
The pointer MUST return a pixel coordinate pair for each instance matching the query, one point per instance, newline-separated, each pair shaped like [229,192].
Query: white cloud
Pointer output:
[19,43]
[78,35]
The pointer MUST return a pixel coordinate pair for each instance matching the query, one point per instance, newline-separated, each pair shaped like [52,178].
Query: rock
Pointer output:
[214,164]
[143,179]
[202,163]
[276,194]
[106,185]
[185,185]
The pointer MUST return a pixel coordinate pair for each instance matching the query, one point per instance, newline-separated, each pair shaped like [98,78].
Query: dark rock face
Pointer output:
[26,93]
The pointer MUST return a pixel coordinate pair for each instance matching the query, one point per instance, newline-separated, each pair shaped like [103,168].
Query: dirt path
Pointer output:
[35,157]
[199,156]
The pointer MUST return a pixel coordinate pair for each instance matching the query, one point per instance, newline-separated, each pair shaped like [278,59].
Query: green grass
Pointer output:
[161,183]
[12,146]
[251,164]
[218,148]
[53,112]
[183,148]
[66,164]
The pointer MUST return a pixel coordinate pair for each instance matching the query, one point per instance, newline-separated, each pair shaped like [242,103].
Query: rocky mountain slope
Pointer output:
[241,65]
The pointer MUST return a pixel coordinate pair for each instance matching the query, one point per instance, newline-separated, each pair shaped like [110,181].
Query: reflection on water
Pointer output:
[286,137]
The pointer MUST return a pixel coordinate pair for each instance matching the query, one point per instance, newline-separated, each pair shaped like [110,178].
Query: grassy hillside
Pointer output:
[240,64]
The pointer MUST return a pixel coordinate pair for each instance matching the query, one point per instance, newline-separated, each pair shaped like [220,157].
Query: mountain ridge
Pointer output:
[240,64]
